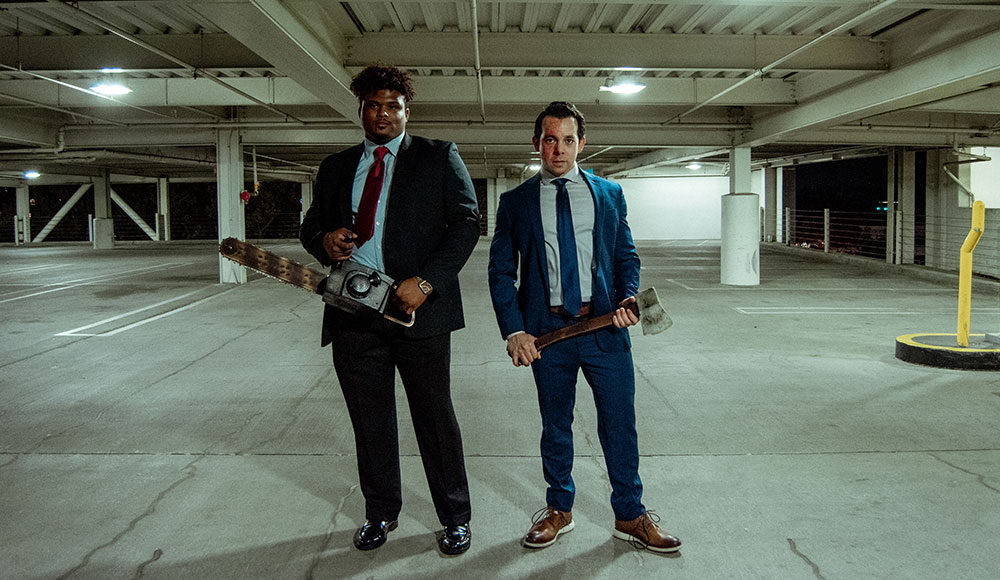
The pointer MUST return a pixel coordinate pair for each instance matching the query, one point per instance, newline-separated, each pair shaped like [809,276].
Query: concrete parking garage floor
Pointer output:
[157,424]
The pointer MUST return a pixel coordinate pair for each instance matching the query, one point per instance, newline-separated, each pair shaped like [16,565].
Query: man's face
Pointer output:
[558,144]
[384,115]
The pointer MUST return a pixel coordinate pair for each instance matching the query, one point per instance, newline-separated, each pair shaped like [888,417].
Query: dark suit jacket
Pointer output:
[431,225]
[519,239]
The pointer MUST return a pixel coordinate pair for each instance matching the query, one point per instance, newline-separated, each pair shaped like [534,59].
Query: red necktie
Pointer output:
[364,222]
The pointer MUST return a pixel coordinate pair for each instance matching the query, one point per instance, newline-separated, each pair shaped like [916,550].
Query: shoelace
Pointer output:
[650,520]
[541,515]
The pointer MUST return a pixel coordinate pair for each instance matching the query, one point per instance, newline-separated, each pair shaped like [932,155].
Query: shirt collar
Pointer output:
[393,145]
[573,175]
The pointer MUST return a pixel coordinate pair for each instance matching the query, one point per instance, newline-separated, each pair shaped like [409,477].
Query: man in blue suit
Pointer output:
[562,252]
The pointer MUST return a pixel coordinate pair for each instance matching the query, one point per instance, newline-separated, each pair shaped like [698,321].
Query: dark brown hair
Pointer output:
[562,110]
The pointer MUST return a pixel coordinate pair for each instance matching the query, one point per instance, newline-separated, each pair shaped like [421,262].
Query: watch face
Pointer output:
[425,286]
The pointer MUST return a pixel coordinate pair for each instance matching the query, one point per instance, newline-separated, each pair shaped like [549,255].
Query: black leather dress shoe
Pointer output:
[372,534]
[455,539]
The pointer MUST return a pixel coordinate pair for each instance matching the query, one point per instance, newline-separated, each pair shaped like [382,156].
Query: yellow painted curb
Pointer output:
[909,339]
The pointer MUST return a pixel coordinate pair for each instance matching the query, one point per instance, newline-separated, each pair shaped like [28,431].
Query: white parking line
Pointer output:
[33,268]
[84,281]
[76,331]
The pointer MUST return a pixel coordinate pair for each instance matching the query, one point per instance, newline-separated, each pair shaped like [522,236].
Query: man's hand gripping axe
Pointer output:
[652,317]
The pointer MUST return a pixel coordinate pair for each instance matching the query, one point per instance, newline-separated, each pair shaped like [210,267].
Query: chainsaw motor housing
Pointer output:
[355,288]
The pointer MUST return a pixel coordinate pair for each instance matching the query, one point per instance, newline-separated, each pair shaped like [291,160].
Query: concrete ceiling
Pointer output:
[795,80]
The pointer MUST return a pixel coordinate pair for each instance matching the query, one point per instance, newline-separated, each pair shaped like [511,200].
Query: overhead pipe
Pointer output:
[98,21]
[763,70]
[60,146]
[81,89]
[479,70]
[58,109]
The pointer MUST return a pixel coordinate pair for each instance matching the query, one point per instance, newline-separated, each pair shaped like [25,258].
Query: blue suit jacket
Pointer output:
[521,298]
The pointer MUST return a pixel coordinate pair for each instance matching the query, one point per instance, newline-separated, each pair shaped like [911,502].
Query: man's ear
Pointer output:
[535,142]
[580,147]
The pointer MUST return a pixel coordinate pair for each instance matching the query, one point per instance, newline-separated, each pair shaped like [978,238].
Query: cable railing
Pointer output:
[932,241]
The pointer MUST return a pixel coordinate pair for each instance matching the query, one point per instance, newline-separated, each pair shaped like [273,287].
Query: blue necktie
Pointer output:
[569,269]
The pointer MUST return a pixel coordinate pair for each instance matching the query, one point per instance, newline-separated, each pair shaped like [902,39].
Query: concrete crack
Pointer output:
[35,447]
[979,477]
[642,375]
[150,509]
[292,413]
[325,544]
[142,567]
[795,550]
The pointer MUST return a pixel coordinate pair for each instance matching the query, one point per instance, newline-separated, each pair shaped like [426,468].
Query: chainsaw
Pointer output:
[350,287]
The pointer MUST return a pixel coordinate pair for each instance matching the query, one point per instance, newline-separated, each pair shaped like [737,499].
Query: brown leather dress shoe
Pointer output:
[547,524]
[643,532]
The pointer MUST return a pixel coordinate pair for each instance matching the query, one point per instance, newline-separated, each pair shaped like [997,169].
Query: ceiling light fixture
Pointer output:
[109,87]
[534,167]
[32,174]
[693,166]
[623,86]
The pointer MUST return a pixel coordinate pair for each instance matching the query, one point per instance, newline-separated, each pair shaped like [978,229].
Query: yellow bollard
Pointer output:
[965,272]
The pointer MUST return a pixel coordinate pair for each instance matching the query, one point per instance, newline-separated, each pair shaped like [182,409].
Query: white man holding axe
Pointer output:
[568,232]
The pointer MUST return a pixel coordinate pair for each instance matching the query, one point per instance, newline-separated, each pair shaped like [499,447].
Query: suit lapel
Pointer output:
[533,202]
[600,210]
[345,181]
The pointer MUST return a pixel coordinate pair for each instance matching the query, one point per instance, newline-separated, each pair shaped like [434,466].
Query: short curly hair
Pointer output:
[379,76]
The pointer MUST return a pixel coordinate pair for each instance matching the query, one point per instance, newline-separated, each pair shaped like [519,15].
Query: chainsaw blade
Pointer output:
[271,264]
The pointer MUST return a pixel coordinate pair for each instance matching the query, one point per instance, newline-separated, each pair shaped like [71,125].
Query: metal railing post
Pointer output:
[826,230]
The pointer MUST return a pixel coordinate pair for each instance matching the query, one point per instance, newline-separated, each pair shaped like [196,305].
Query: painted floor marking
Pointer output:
[59,286]
[77,331]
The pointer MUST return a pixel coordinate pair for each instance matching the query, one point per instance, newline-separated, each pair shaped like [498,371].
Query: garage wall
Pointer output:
[679,208]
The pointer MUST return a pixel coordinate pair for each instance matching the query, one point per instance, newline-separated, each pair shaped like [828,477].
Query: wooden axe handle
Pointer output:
[573,330]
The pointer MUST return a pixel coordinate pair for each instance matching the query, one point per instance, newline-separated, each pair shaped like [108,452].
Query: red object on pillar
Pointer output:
[245,195]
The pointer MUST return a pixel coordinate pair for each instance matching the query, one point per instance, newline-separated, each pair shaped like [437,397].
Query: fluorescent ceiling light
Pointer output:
[534,167]
[32,174]
[110,69]
[693,166]
[111,89]
[624,87]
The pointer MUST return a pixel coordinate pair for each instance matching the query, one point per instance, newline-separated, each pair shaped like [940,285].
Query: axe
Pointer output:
[652,317]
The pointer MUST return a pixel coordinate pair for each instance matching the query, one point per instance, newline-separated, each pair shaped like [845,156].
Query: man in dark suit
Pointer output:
[403,205]
[568,231]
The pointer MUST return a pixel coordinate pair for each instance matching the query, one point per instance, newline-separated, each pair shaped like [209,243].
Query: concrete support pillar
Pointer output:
[162,209]
[906,208]
[894,178]
[307,199]
[494,188]
[230,182]
[22,218]
[104,225]
[740,256]
[771,206]
[739,170]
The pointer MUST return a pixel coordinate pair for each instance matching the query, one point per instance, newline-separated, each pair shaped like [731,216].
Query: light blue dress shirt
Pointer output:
[581,202]
[370,254]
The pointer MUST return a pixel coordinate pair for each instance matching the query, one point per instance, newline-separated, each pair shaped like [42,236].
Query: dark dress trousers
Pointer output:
[431,226]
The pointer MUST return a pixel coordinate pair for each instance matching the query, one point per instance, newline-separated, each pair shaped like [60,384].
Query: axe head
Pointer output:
[652,316]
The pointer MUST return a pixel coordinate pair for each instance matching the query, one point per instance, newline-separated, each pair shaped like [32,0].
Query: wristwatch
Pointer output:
[424,286]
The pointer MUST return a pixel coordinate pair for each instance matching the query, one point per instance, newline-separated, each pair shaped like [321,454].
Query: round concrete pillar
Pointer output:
[740,264]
